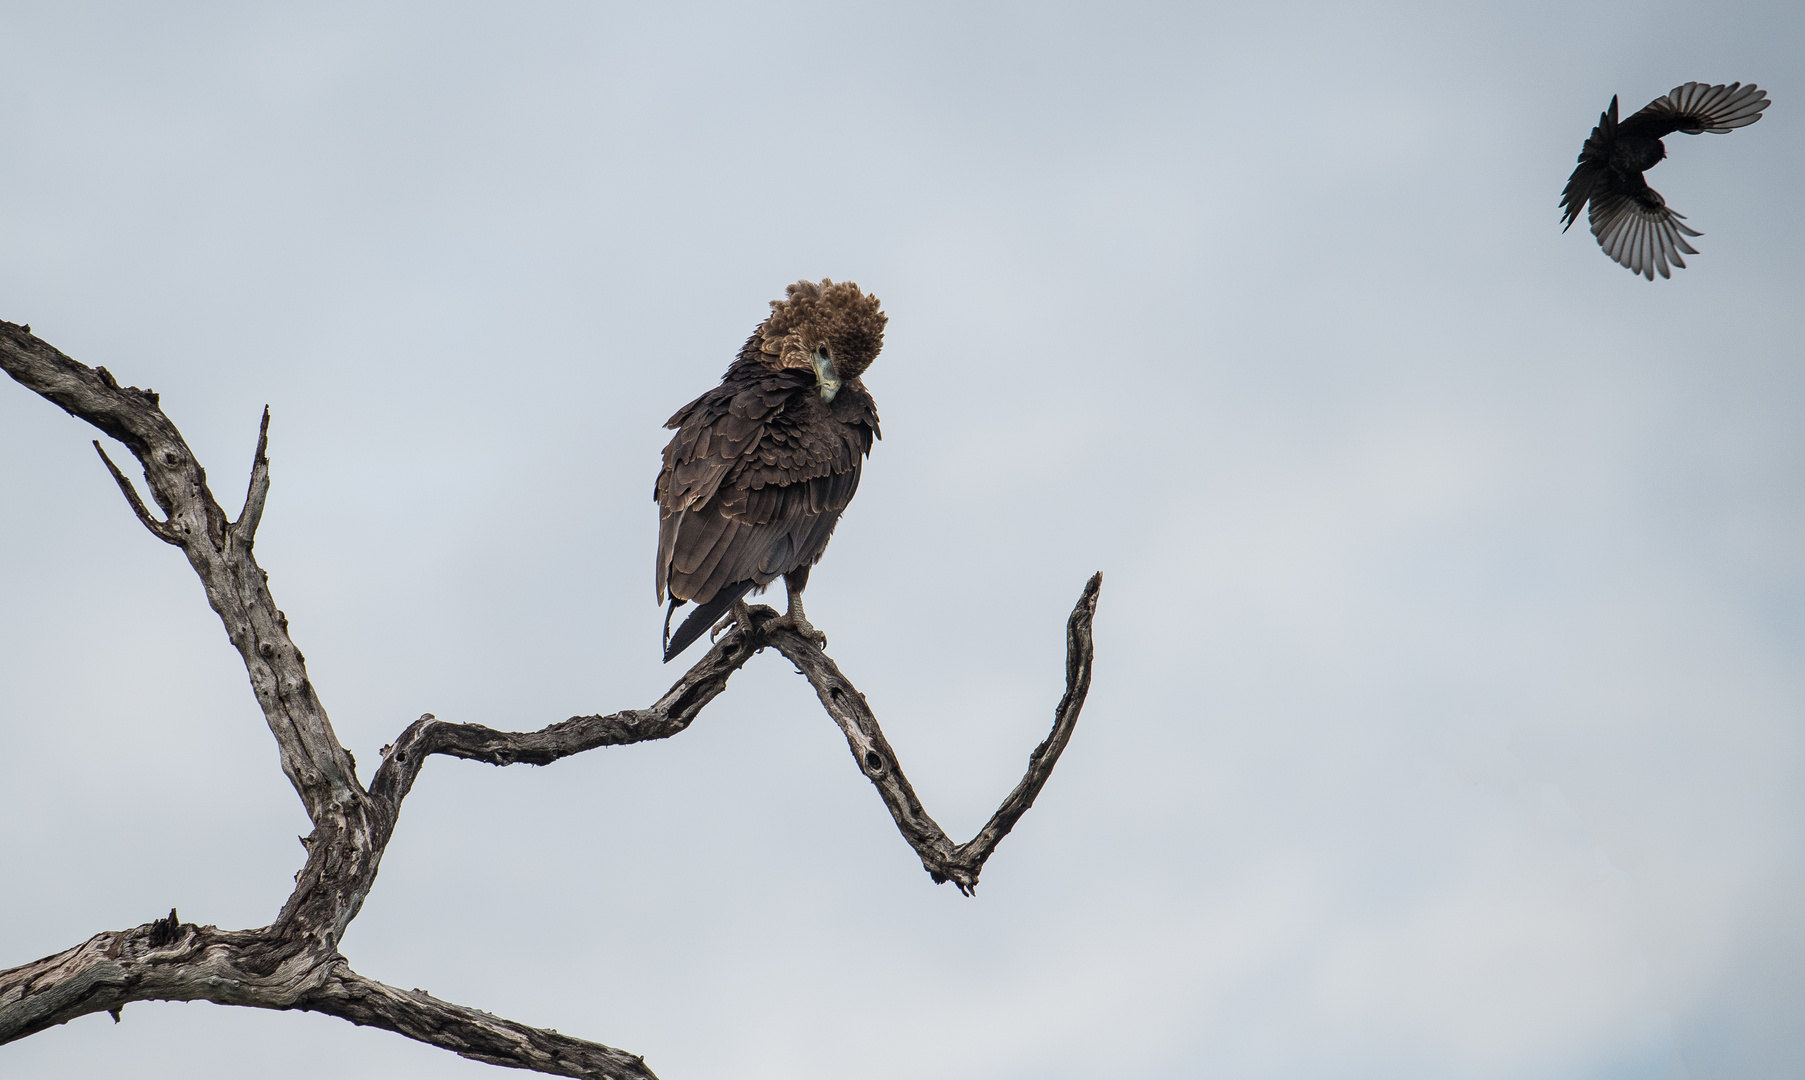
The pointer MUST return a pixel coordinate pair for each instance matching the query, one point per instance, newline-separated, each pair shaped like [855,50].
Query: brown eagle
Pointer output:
[1630,219]
[762,465]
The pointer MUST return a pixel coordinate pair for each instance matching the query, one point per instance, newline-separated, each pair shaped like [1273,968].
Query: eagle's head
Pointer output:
[831,328]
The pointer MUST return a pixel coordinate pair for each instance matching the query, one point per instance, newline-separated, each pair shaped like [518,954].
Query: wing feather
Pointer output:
[723,565]
[1592,174]
[701,539]
[1639,231]
[1695,108]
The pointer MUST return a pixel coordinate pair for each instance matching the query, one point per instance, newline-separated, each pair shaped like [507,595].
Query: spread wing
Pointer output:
[1635,227]
[1696,108]
[754,481]
[1592,169]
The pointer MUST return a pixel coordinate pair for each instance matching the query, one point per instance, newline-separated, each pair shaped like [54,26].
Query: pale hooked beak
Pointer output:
[825,374]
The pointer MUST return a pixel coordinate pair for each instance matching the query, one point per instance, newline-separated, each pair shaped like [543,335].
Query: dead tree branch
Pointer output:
[943,859]
[294,962]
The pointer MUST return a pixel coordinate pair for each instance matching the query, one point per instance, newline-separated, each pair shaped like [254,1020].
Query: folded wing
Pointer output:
[754,483]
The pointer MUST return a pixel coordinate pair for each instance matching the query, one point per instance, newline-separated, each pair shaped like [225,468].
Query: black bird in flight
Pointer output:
[1630,219]
[762,465]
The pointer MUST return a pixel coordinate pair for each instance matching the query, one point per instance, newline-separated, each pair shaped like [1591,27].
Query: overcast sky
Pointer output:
[1447,716]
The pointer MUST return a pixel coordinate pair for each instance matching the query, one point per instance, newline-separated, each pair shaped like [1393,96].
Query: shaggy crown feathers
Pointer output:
[834,314]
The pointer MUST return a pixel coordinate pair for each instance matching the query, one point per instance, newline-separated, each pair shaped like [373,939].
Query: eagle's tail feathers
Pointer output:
[699,620]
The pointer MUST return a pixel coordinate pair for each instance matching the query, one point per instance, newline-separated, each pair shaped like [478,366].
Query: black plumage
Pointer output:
[1632,222]
[762,465]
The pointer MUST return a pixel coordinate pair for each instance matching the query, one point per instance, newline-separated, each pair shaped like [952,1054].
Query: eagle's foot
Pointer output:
[744,615]
[795,620]
[739,615]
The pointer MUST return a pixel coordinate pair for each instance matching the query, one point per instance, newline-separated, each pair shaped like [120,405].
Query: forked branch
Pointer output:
[943,859]
[294,962]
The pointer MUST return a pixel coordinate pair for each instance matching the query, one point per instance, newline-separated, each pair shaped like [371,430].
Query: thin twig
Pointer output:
[157,528]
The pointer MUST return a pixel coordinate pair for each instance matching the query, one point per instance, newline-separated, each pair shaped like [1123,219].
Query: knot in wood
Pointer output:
[266,649]
[170,458]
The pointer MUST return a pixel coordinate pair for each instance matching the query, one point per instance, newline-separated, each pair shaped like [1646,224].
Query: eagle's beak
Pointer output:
[825,374]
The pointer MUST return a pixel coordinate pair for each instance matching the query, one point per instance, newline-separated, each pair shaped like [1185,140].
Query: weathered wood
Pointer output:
[943,859]
[247,967]
[294,962]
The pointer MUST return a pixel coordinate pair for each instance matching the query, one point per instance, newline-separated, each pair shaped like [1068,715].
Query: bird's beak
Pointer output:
[826,375]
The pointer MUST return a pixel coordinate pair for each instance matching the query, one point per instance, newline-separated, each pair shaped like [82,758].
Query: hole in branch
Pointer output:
[874,762]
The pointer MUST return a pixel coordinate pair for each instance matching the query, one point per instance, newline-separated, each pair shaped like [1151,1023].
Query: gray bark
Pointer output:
[294,962]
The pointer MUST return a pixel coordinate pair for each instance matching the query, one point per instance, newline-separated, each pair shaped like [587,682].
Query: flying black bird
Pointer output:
[1630,219]
[762,465]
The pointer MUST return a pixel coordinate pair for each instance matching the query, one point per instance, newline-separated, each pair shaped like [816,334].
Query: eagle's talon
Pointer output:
[794,621]
[740,615]
[795,618]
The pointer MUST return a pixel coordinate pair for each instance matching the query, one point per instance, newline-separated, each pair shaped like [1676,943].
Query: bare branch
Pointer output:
[943,860]
[245,528]
[158,529]
[319,768]
[154,962]
[167,960]
[1079,648]
[669,715]
[467,1032]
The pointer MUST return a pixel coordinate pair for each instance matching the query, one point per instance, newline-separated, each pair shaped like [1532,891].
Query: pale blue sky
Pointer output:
[1448,708]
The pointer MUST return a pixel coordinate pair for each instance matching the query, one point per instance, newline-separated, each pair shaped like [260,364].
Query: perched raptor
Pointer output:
[762,465]
[1630,219]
